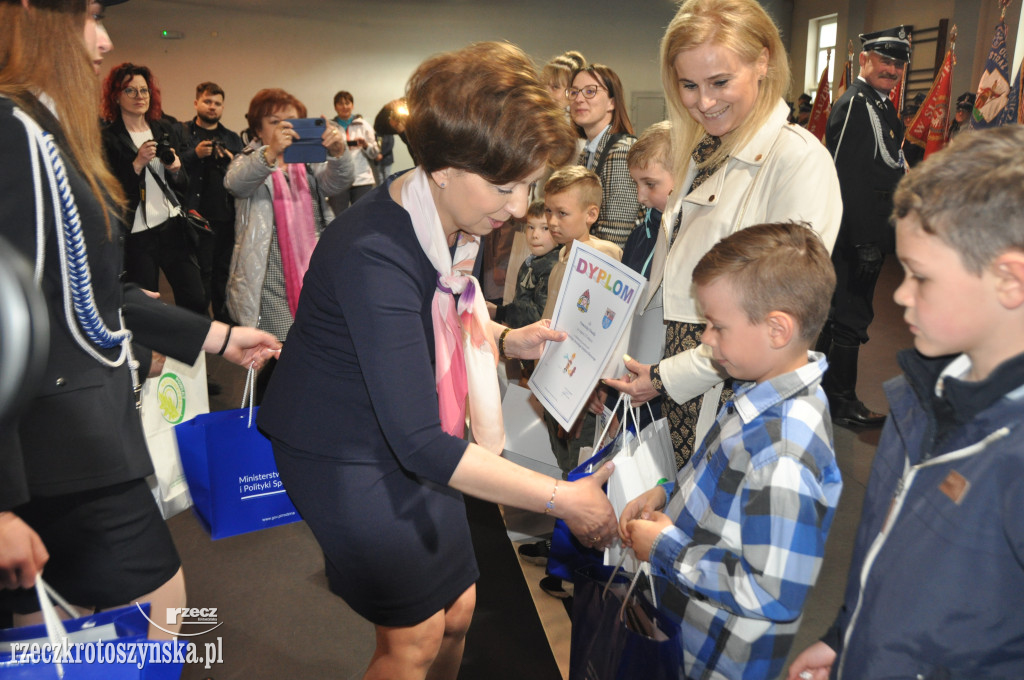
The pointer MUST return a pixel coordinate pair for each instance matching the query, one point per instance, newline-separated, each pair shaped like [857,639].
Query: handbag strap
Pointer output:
[168,194]
[607,426]
[55,631]
[249,394]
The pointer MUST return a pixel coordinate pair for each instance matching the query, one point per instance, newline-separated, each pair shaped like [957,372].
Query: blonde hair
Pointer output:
[653,146]
[41,50]
[559,70]
[775,267]
[738,25]
[586,183]
[970,195]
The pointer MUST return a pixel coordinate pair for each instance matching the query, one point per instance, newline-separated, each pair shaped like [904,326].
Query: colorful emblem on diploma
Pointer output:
[583,304]
[606,321]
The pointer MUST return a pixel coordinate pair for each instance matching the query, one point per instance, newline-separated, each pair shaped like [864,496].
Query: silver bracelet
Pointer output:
[551,503]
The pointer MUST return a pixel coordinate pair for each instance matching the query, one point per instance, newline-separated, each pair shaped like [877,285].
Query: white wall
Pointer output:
[313,49]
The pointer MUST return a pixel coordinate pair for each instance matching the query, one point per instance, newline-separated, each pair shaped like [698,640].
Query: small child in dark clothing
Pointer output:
[650,166]
[532,280]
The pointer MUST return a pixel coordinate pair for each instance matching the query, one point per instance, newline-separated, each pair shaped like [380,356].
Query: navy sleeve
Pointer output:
[174,331]
[383,296]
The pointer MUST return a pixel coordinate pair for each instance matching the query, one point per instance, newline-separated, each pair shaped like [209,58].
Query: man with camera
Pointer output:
[209,147]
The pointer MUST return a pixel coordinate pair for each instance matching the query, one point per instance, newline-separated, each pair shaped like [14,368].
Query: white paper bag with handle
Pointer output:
[176,396]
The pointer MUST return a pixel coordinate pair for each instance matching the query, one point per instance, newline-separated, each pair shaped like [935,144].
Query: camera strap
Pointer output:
[172,198]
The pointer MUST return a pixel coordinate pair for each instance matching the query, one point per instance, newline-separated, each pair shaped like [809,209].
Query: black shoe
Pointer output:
[853,412]
[535,553]
[553,586]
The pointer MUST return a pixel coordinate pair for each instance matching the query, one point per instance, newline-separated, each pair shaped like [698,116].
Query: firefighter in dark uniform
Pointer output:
[864,136]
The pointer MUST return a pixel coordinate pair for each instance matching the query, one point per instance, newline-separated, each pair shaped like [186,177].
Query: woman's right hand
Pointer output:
[280,139]
[147,152]
[637,383]
[22,553]
[585,508]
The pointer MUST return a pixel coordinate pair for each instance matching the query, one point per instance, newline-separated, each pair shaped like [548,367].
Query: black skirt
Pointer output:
[107,547]
[397,548]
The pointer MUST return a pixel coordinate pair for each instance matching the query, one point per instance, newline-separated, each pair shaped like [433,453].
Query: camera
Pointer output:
[219,152]
[163,149]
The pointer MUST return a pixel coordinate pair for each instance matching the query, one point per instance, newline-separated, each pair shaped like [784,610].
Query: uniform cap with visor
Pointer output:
[892,42]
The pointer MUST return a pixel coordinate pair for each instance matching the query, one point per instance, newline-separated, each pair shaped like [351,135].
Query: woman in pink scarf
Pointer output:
[392,346]
[280,211]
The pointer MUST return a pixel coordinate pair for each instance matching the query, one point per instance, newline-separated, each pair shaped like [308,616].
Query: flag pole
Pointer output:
[952,65]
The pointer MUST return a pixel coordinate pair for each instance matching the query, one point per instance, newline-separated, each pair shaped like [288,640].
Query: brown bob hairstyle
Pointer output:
[482,110]
[116,82]
[264,103]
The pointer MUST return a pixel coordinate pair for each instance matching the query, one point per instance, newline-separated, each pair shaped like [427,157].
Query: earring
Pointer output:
[442,185]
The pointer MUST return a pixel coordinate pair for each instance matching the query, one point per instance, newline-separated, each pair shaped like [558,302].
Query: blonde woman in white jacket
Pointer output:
[739,163]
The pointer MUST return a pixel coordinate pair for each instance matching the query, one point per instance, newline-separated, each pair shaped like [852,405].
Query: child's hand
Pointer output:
[642,533]
[597,400]
[641,507]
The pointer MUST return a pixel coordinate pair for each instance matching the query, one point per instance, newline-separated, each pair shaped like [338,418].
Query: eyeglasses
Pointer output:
[588,92]
[137,93]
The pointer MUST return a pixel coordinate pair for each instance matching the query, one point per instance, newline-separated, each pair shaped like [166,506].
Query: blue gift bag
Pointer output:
[110,645]
[567,555]
[618,634]
[230,469]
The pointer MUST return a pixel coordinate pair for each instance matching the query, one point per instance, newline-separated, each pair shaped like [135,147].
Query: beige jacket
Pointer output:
[782,174]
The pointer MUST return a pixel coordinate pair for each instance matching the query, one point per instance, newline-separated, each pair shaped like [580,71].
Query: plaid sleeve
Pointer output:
[757,548]
[619,207]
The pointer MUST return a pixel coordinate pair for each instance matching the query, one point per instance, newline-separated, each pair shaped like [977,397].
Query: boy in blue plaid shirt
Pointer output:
[740,543]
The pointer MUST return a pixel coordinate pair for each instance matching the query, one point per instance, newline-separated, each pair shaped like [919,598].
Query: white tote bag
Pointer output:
[643,462]
[177,396]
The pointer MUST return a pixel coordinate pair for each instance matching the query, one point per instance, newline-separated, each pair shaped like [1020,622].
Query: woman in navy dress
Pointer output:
[366,407]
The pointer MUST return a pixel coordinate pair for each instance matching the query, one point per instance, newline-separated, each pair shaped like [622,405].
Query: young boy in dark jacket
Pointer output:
[936,585]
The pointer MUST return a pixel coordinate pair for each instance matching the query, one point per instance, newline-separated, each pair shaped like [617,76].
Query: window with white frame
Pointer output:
[821,34]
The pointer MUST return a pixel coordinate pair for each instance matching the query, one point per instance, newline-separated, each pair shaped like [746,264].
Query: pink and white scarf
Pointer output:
[465,354]
[296,232]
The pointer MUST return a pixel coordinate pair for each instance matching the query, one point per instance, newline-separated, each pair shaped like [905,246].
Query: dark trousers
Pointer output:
[214,255]
[857,269]
[166,248]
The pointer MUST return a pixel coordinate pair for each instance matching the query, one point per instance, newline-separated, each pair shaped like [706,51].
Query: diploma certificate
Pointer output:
[594,306]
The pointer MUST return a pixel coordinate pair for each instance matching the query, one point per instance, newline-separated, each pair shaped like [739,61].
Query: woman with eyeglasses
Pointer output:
[141,149]
[738,163]
[597,106]
[73,461]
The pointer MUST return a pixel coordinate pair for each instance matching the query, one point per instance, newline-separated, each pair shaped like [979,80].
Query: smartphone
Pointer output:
[309,147]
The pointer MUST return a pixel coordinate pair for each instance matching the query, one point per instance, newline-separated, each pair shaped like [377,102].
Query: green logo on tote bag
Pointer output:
[170,393]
